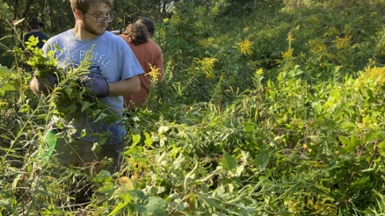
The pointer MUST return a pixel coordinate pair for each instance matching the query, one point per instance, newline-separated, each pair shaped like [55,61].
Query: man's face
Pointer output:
[95,20]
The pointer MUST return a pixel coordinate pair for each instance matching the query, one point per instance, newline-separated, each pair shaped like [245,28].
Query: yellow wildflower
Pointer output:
[342,42]
[245,47]
[288,54]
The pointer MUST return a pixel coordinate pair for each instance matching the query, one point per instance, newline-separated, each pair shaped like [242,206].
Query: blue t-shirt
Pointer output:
[39,35]
[112,58]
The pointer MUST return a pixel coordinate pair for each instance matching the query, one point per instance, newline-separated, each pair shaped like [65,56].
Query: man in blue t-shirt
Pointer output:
[35,30]
[113,73]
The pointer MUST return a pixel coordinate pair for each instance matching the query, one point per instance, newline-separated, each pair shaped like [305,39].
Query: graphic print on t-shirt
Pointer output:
[97,57]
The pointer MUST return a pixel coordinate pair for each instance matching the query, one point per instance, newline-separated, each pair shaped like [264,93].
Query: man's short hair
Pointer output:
[84,5]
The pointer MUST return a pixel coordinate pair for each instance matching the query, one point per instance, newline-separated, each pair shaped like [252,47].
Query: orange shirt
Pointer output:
[147,54]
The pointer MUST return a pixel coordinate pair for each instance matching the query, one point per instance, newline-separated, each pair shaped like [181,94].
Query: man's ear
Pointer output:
[78,14]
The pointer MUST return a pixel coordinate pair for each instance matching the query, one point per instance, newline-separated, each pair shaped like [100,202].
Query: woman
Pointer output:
[149,54]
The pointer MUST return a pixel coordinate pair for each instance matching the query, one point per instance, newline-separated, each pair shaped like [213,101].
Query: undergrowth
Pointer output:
[280,114]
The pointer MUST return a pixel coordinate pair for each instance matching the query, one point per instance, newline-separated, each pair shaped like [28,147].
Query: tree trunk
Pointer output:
[27,7]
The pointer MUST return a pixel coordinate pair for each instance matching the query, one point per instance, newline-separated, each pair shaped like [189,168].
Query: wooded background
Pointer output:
[57,15]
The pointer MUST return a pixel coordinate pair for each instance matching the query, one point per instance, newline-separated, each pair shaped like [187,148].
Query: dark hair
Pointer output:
[41,24]
[34,23]
[137,33]
[148,23]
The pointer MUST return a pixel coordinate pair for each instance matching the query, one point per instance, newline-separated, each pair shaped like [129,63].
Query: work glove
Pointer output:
[50,80]
[95,85]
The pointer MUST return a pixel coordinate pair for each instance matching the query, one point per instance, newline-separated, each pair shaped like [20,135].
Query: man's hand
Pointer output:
[43,84]
[96,85]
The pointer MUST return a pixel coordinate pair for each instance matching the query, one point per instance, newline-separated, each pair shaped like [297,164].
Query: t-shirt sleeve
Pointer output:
[131,66]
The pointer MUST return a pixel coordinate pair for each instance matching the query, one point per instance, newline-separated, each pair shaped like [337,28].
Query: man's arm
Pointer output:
[125,87]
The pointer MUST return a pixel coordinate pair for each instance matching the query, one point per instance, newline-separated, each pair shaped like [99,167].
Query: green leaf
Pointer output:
[118,208]
[148,142]
[103,176]
[86,105]
[211,202]
[136,152]
[5,85]
[262,159]
[179,162]
[344,140]
[107,188]
[45,152]
[101,117]
[156,207]
[381,148]
[68,90]
[349,144]
[136,138]
[4,72]
[228,162]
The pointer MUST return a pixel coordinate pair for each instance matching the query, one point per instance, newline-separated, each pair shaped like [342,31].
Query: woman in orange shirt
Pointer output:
[149,54]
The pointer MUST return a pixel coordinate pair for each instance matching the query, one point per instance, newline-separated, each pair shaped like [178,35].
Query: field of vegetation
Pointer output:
[269,107]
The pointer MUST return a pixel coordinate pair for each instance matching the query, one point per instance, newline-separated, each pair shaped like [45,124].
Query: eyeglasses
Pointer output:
[102,19]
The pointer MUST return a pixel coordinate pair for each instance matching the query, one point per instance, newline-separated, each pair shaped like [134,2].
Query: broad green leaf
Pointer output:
[344,140]
[103,176]
[136,152]
[148,142]
[249,127]
[381,148]
[45,152]
[107,188]
[348,126]
[5,85]
[4,72]
[350,144]
[136,138]
[156,207]
[228,162]
[262,159]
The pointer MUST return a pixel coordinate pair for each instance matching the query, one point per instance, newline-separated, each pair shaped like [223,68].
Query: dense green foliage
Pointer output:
[267,108]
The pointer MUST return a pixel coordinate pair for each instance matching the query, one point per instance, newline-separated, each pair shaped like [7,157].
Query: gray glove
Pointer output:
[50,80]
[96,85]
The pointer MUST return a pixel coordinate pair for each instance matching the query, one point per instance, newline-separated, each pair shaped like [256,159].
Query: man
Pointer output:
[113,74]
[35,30]
[149,54]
